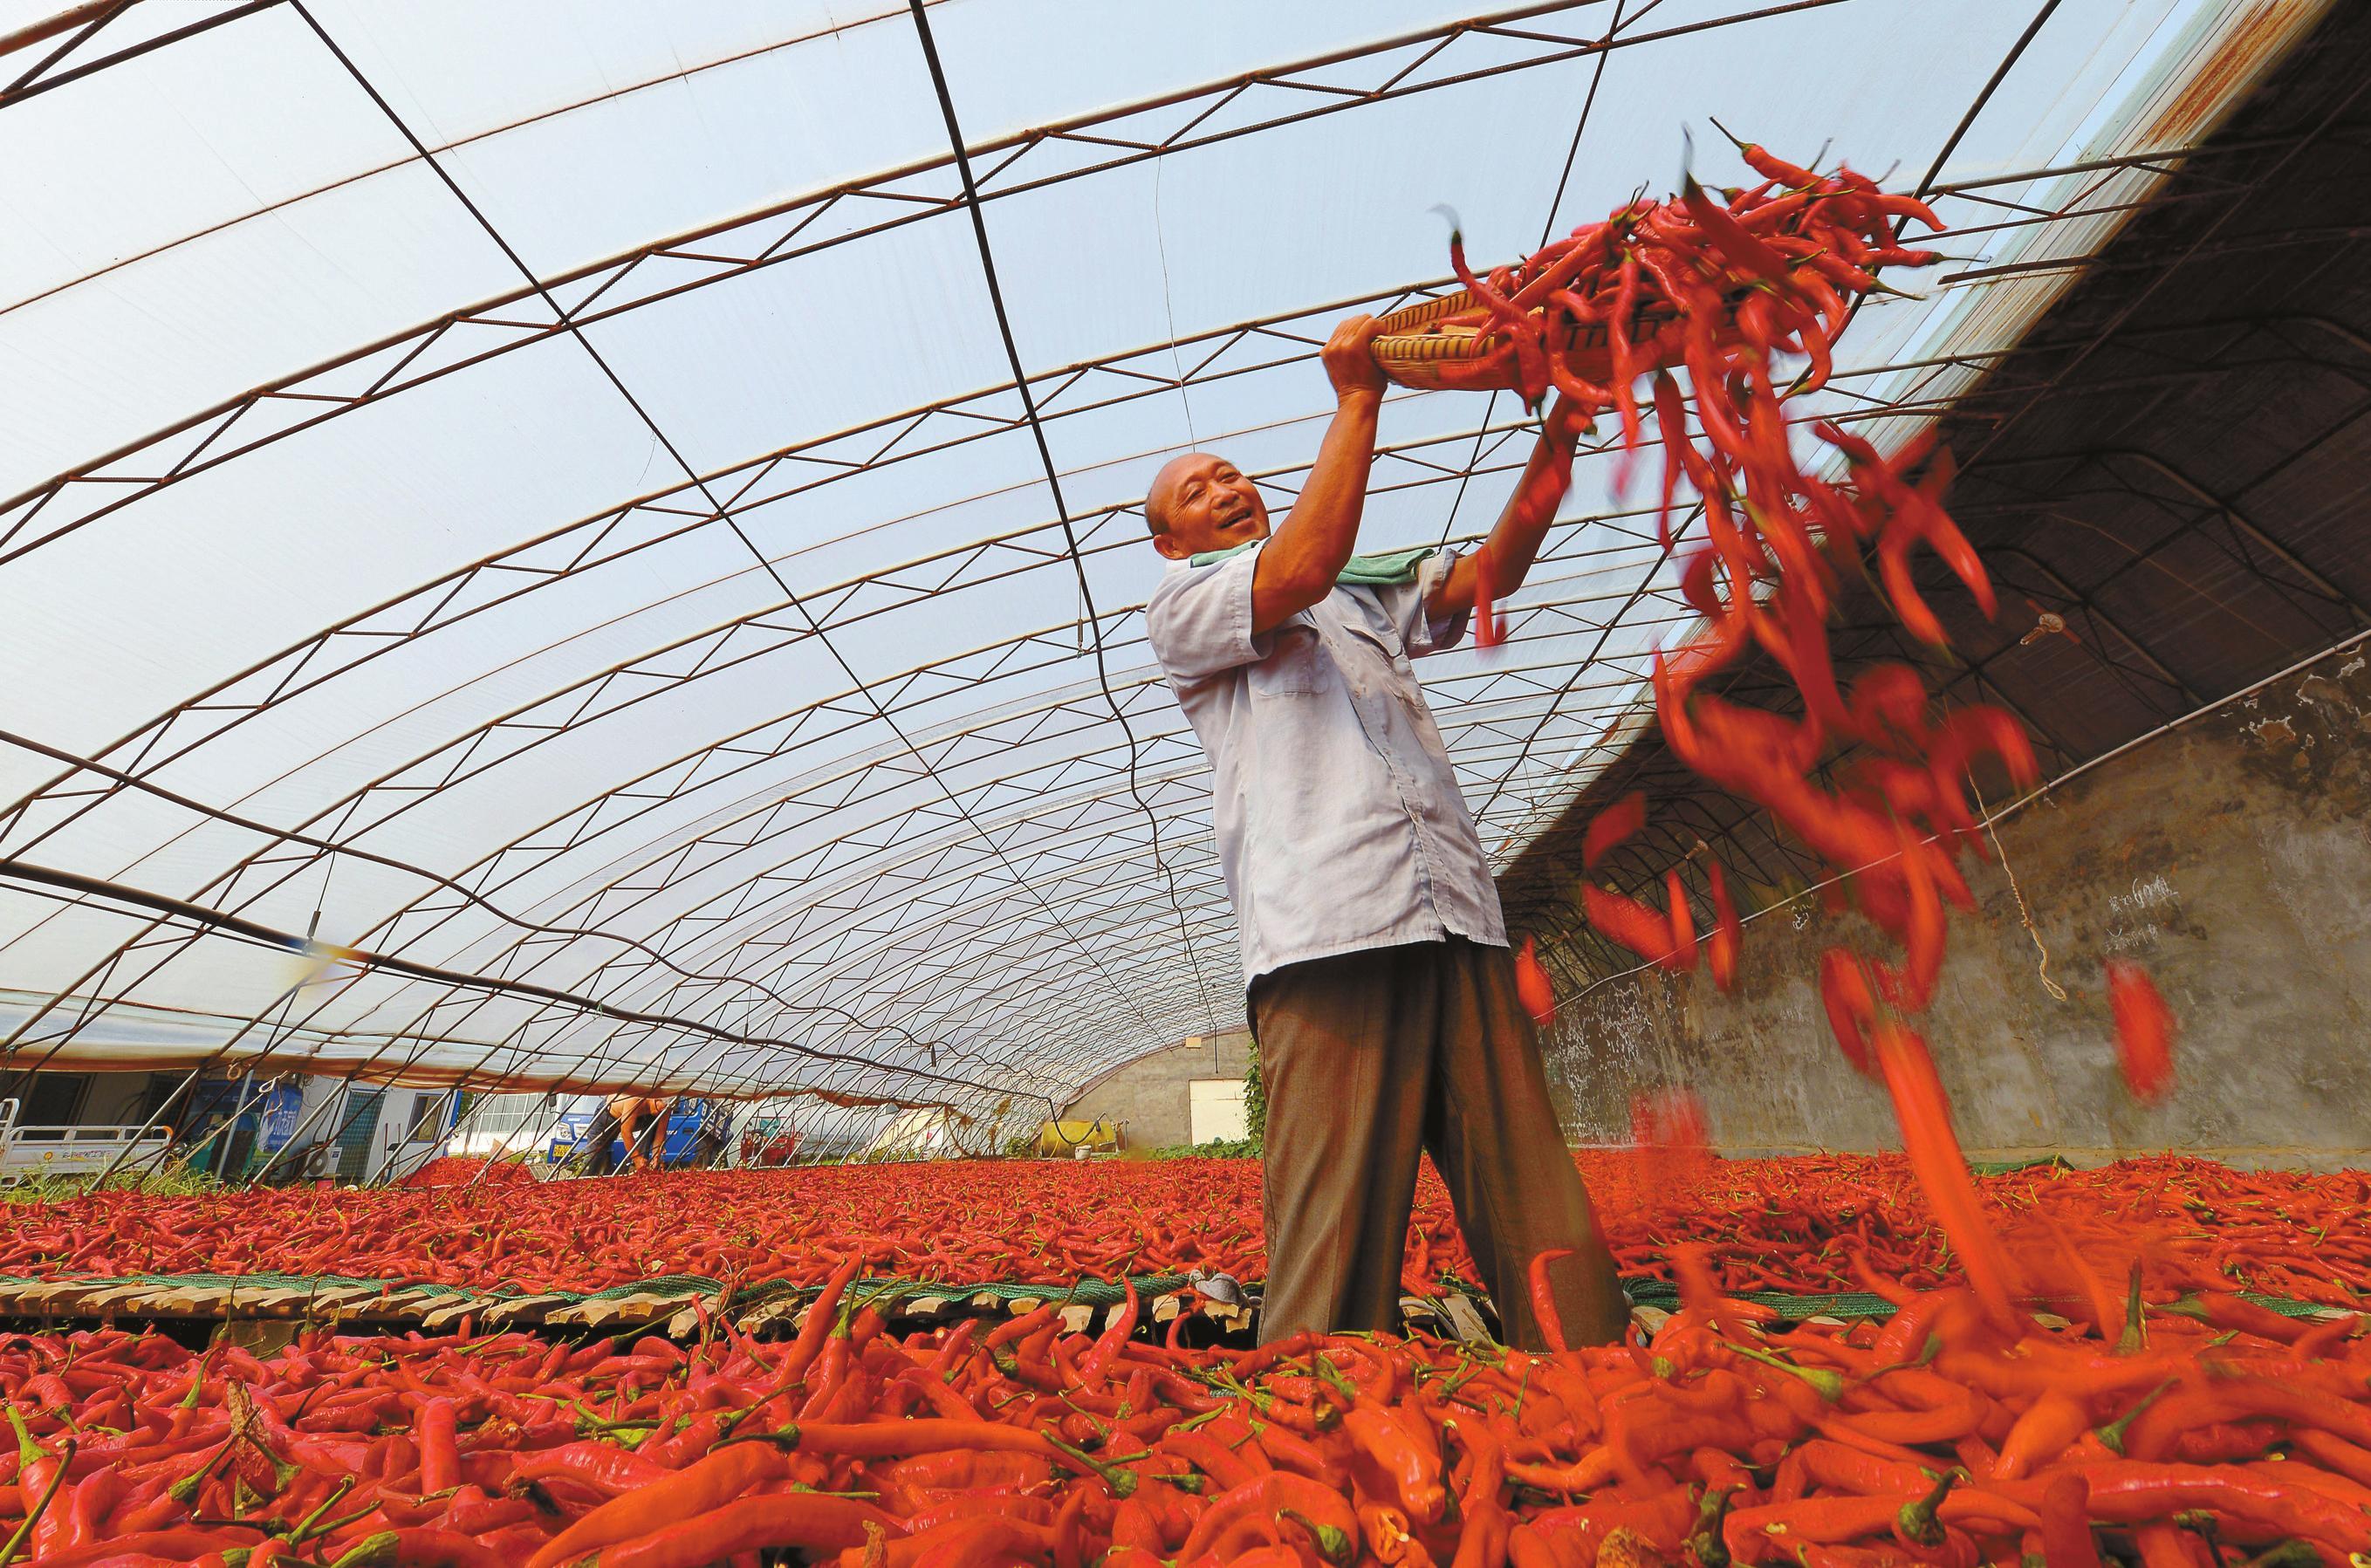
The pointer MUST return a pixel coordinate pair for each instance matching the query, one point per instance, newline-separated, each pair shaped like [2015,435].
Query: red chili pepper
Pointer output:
[1769,167]
[1413,1469]
[1850,1007]
[419,1549]
[1680,456]
[1523,330]
[700,1488]
[1626,366]
[2143,1031]
[1533,988]
[1490,631]
[1727,939]
[2041,1435]
[809,1522]
[1628,922]
[1683,923]
[172,1545]
[1324,1514]
[1747,252]
[1925,1118]
[440,1460]
[1610,826]
[1096,1366]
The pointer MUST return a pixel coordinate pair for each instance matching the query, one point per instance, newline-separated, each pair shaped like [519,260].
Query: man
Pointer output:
[1382,991]
[620,1117]
[630,1110]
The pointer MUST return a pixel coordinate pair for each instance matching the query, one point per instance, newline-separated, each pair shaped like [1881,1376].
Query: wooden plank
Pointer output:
[519,1309]
[272,1301]
[342,1302]
[16,1297]
[620,1309]
[1166,1307]
[771,1311]
[113,1296]
[408,1303]
[1230,1319]
[59,1294]
[1077,1318]
[438,1319]
[189,1301]
[262,1335]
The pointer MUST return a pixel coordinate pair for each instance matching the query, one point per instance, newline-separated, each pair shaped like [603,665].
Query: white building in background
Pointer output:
[501,1125]
[915,1134]
[233,1124]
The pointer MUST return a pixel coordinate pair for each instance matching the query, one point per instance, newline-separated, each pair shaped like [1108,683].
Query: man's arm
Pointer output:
[1514,541]
[1303,557]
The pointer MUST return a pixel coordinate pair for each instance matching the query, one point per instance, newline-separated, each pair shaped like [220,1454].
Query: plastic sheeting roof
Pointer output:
[537,493]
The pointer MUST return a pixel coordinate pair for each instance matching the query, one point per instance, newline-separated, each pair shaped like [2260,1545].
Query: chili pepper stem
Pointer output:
[1829,1385]
[1332,1544]
[1122,1483]
[2285,1554]
[2112,1435]
[332,1527]
[1918,1520]
[2135,1335]
[304,1526]
[371,1551]
[25,1531]
[1706,1544]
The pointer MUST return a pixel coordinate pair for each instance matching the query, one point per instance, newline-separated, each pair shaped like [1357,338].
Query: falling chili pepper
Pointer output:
[1532,985]
[2143,1031]
[1727,938]
[1610,826]
[1489,630]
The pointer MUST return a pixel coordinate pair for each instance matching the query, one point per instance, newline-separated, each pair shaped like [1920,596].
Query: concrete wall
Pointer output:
[1148,1096]
[2231,857]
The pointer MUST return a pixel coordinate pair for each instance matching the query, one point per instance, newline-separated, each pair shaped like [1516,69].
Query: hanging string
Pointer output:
[2024,915]
[1161,242]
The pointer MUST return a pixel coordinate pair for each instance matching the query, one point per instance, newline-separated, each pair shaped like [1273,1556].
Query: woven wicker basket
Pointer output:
[1413,349]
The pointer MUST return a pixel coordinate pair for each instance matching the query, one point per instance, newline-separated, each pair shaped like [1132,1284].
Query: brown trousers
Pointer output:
[1372,1059]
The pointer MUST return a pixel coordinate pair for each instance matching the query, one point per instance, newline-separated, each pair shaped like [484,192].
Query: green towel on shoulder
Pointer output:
[1389,571]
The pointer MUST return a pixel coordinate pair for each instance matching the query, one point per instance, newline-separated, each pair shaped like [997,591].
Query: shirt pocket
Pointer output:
[1296,665]
[1386,644]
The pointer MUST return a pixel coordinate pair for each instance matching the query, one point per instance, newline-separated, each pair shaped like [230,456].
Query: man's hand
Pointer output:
[1306,553]
[1514,541]
[1349,358]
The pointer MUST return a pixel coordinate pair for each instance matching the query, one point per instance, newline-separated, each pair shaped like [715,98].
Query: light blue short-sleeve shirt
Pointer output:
[1340,825]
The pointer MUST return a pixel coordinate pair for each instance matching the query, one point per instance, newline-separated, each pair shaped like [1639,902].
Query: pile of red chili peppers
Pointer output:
[1747,295]
[1789,1225]
[2190,1435]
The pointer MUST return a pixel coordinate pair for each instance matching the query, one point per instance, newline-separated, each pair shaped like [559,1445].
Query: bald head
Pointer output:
[1201,502]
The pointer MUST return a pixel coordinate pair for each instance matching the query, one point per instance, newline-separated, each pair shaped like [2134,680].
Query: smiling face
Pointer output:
[1201,502]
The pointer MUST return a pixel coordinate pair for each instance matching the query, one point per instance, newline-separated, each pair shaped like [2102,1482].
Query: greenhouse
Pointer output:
[1007,781]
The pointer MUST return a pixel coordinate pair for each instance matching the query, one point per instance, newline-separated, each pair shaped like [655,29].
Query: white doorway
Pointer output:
[1214,1109]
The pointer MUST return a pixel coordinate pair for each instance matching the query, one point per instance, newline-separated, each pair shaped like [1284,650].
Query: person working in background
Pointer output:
[1381,992]
[630,1111]
[618,1118]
